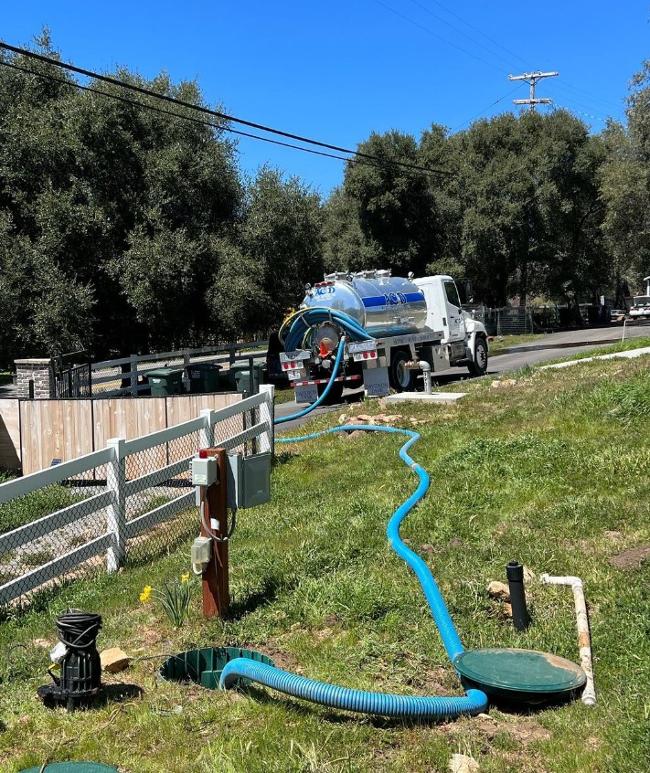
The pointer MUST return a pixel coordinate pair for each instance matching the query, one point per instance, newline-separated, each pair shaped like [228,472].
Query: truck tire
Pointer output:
[479,365]
[401,379]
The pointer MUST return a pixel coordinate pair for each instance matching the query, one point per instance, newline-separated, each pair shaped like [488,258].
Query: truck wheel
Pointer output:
[478,367]
[335,395]
[401,378]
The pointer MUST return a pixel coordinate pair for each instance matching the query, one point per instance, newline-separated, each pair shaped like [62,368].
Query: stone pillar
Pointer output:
[39,371]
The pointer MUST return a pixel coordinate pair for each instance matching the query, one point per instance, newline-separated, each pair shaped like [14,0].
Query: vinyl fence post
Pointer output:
[266,414]
[116,511]
[206,433]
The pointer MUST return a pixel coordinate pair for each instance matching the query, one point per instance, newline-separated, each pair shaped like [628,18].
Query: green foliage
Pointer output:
[281,234]
[123,229]
[174,598]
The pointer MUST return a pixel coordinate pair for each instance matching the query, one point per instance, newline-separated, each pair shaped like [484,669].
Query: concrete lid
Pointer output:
[423,397]
[34,361]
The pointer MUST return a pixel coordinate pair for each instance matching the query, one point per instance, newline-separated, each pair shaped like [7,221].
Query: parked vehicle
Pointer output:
[641,306]
[406,326]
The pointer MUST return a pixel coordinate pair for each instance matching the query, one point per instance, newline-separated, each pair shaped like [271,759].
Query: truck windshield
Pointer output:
[642,300]
[452,293]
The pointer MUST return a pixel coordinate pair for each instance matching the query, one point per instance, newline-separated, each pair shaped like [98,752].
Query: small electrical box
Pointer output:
[249,480]
[204,471]
[201,553]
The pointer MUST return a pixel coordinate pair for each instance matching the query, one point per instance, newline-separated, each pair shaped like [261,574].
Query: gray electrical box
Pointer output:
[249,480]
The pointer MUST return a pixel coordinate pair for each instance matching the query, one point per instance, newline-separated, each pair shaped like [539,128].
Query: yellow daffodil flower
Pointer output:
[146,594]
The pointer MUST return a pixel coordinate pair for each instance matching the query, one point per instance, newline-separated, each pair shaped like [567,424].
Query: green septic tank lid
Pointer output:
[204,666]
[72,767]
[520,674]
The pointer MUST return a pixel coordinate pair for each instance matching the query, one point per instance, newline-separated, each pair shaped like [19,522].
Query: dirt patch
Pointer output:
[631,558]
[280,657]
[524,731]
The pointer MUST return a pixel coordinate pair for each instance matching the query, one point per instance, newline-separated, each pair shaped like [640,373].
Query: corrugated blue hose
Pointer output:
[383,704]
[314,316]
[310,408]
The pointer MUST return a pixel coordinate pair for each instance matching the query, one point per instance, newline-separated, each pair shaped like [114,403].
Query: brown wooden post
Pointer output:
[216,593]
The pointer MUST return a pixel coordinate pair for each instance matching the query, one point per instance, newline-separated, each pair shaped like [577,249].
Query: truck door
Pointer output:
[455,318]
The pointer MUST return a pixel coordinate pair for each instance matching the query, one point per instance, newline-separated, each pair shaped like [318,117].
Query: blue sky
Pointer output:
[338,70]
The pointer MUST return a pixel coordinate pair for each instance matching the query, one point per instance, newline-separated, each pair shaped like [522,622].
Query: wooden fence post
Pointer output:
[133,367]
[214,524]
[116,511]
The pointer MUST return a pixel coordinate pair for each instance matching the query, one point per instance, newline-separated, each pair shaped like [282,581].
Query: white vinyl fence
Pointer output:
[130,498]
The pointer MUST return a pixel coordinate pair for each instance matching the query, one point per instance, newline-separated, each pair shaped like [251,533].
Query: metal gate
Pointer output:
[72,375]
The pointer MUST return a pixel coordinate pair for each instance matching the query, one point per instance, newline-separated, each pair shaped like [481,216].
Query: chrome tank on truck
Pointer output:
[383,304]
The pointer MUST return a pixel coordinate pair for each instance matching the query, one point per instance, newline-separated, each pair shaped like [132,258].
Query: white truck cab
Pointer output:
[464,337]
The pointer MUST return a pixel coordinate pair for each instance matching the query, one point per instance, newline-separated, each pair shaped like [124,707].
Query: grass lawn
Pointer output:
[284,395]
[620,346]
[5,377]
[553,470]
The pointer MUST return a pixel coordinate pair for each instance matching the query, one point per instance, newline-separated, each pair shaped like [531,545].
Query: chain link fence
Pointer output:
[510,320]
[129,502]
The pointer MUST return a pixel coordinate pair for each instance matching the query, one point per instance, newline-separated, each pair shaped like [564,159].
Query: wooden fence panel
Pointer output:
[66,429]
[54,429]
[130,418]
[182,408]
[10,434]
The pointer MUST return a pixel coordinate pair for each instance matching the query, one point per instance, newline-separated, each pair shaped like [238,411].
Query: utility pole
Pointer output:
[531,78]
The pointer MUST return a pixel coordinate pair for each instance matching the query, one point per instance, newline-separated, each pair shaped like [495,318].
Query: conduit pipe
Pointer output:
[584,639]
[423,707]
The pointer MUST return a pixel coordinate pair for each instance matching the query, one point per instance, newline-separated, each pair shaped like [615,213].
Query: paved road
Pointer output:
[551,347]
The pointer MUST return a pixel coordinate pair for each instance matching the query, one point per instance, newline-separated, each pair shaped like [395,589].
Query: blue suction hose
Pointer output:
[301,323]
[422,707]
[325,392]
[307,318]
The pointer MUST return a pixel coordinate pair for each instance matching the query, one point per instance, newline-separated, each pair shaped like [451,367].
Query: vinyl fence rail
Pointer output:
[94,510]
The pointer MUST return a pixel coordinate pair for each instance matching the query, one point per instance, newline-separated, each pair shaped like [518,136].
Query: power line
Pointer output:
[429,31]
[485,109]
[215,113]
[469,37]
[595,100]
[191,119]
[480,31]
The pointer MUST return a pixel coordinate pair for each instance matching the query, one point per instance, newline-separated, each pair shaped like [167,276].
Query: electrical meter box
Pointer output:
[204,471]
[249,480]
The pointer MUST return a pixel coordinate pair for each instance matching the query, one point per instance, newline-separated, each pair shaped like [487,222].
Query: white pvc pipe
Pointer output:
[584,640]
[426,375]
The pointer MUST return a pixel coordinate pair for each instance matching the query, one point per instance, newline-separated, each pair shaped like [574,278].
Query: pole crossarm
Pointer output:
[531,78]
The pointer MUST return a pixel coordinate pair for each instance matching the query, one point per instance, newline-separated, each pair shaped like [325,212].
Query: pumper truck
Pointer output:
[394,330]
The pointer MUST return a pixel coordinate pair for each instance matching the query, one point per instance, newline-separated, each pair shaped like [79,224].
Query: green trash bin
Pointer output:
[242,376]
[203,376]
[166,381]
